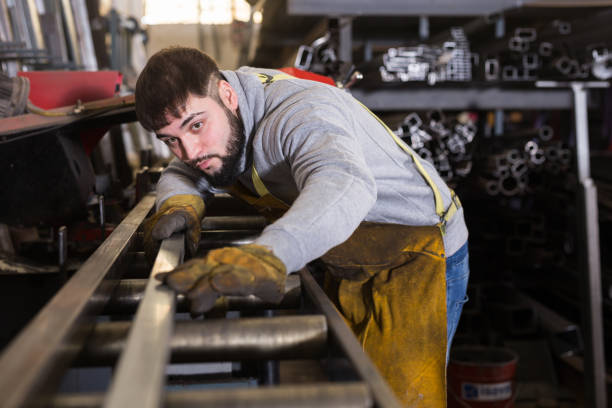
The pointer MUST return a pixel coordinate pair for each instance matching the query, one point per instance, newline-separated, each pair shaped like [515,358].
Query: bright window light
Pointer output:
[194,11]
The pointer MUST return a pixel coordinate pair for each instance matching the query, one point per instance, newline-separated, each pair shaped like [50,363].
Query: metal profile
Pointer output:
[140,375]
[71,33]
[84,39]
[330,395]
[463,98]
[32,361]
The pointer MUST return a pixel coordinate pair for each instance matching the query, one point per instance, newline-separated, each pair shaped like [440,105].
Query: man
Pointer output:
[342,188]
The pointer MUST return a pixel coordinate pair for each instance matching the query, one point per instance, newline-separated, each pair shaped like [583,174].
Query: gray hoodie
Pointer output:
[316,148]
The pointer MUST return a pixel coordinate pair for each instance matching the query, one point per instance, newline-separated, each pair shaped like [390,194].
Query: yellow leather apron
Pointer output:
[389,282]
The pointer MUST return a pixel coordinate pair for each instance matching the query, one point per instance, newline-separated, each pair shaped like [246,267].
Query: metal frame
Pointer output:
[64,335]
[32,361]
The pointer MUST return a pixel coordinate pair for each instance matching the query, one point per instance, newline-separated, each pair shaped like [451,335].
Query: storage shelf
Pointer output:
[463,98]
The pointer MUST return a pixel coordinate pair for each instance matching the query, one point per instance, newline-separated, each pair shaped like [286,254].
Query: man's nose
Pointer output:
[191,147]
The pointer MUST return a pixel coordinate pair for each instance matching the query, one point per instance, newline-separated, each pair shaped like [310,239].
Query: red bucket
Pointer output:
[481,377]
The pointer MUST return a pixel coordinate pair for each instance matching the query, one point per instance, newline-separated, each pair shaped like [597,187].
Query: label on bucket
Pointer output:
[486,392]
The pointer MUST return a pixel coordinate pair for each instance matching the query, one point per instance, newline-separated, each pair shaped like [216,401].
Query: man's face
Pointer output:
[208,135]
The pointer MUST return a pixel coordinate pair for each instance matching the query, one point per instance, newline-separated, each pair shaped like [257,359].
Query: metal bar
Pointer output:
[381,393]
[130,292]
[278,338]
[36,357]
[85,41]
[251,222]
[71,34]
[34,29]
[330,395]
[140,375]
[595,369]
[487,98]
[345,39]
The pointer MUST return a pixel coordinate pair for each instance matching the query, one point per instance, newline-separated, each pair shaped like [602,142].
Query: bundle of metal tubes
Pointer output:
[552,52]
[442,141]
[446,58]
[517,171]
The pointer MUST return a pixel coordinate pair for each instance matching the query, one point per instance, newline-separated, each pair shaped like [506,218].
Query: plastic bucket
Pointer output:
[480,377]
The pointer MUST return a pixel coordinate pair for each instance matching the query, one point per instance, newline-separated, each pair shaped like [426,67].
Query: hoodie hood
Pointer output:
[251,106]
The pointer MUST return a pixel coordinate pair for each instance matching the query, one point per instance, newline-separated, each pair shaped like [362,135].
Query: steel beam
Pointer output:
[221,238]
[130,292]
[381,393]
[332,395]
[33,362]
[209,340]
[457,98]
[140,375]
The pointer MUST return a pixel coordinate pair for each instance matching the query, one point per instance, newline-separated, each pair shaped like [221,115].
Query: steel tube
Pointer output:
[381,393]
[250,222]
[140,375]
[35,359]
[220,238]
[278,338]
[332,395]
[130,292]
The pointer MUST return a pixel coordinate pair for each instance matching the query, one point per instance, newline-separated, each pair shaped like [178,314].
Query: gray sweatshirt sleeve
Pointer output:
[179,178]
[337,189]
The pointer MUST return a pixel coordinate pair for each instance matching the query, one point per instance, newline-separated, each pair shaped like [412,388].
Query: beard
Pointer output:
[230,163]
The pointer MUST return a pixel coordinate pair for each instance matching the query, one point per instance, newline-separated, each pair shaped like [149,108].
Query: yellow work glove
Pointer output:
[181,212]
[245,270]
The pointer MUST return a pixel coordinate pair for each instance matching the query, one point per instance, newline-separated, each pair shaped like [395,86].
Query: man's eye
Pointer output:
[197,126]
[170,140]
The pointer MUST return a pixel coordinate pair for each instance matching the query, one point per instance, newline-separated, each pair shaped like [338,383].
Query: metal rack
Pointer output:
[535,96]
[71,331]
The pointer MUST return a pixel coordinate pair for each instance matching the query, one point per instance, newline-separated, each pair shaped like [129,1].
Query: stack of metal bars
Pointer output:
[69,332]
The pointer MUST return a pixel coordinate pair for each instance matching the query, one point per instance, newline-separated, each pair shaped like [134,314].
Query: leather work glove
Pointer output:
[181,212]
[245,270]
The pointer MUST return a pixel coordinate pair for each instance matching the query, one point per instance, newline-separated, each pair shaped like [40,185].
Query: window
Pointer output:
[195,11]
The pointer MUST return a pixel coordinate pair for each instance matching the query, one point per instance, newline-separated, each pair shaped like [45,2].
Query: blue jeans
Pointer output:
[457,274]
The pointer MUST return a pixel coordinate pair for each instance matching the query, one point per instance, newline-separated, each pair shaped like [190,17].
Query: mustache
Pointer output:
[194,162]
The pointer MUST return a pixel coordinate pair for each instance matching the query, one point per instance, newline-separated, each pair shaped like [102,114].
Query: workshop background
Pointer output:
[509,99]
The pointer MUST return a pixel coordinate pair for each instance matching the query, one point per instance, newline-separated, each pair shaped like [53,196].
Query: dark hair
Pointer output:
[167,80]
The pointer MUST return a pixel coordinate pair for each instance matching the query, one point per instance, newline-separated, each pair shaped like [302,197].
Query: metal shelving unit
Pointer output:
[545,96]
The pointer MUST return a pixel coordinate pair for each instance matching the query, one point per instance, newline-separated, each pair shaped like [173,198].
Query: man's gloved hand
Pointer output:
[244,270]
[181,212]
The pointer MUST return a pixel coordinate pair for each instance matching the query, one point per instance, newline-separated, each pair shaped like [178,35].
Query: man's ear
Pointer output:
[228,95]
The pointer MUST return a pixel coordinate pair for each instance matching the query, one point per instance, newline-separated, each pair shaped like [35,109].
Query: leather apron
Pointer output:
[389,283]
